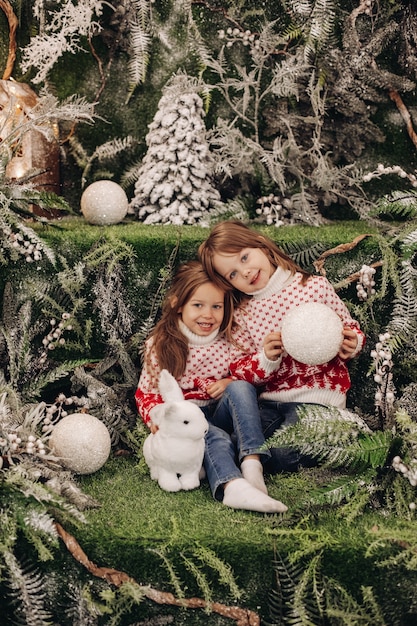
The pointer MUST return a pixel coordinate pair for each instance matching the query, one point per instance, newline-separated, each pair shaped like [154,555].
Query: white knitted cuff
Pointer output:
[359,346]
[267,365]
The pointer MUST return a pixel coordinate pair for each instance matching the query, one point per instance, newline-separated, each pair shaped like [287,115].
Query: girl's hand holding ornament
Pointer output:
[349,343]
[273,346]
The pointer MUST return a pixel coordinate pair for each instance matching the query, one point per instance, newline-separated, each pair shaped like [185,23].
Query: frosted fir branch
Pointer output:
[301,8]
[61,34]
[232,152]
[41,522]
[106,152]
[28,591]
[111,149]
[116,319]
[44,116]
[73,109]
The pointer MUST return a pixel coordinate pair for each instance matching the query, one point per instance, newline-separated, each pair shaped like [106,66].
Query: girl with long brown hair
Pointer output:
[191,341]
[268,284]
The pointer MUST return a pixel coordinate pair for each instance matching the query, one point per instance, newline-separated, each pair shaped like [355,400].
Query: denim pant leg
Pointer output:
[237,413]
[219,459]
[274,416]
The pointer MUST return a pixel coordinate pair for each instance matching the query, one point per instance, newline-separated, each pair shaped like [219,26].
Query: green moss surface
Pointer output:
[138,522]
[154,243]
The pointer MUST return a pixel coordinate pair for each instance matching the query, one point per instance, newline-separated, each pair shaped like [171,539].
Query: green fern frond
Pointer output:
[174,578]
[399,205]
[343,608]
[300,8]
[335,438]
[34,388]
[223,570]
[40,530]
[367,451]
[292,32]
[77,151]
[297,598]
[130,175]
[410,239]
[303,253]
[281,596]
[111,149]
[344,489]
[109,254]
[142,11]
[83,610]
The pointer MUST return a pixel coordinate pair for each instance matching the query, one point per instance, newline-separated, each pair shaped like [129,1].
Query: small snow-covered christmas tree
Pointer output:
[174,183]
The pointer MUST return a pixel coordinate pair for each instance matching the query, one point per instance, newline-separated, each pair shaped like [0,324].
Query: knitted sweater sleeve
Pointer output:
[147,395]
[246,361]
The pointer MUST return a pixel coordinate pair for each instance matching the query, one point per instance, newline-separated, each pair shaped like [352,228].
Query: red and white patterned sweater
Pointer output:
[287,380]
[208,361]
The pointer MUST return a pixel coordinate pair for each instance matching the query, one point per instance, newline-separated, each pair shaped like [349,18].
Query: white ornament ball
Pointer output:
[104,202]
[312,333]
[82,442]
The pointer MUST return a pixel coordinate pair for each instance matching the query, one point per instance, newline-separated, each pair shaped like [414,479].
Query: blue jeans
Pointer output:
[274,416]
[234,432]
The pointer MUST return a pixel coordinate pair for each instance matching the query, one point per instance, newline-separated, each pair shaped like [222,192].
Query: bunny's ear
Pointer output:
[169,388]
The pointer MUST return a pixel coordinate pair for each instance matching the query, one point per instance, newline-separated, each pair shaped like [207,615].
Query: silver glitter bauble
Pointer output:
[82,442]
[103,203]
[312,333]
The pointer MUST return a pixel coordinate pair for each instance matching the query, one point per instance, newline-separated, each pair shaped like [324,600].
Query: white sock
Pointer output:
[239,494]
[253,472]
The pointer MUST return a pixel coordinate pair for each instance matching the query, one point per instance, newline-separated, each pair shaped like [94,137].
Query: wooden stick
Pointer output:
[242,617]
[395,97]
[13,24]
[343,247]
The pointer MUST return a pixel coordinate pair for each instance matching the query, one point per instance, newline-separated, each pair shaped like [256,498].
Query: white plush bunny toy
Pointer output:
[175,452]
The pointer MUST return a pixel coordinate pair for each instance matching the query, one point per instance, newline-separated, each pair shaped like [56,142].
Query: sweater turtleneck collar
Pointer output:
[279,279]
[197,340]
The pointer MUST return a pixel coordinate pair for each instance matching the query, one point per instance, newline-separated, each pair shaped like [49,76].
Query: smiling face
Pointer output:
[248,271]
[203,312]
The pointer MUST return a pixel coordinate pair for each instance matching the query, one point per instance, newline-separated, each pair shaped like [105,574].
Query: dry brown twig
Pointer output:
[340,249]
[13,24]
[242,617]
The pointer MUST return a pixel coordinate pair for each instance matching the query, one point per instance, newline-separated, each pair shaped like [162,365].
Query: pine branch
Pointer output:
[335,438]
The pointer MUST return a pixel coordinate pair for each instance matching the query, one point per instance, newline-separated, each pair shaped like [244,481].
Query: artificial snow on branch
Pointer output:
[62,33]
[174,182]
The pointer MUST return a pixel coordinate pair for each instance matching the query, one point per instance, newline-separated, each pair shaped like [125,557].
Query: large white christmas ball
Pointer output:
[104,202]
[312,333]
[82,442]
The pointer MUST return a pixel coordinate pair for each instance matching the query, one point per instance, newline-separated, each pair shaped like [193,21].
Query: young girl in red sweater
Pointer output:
[191,342]
[267,284]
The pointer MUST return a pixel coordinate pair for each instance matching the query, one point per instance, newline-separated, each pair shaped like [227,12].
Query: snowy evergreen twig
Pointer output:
[62,33]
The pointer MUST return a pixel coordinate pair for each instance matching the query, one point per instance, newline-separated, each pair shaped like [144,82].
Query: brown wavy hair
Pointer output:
[169,344]
[232,236]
